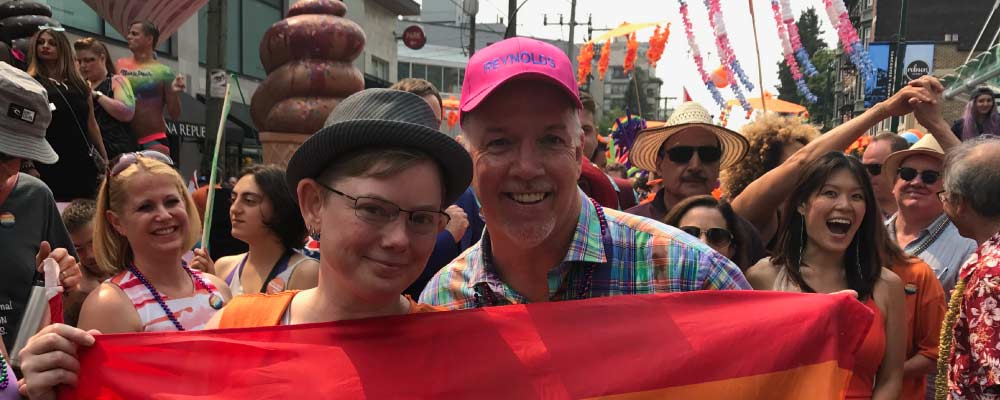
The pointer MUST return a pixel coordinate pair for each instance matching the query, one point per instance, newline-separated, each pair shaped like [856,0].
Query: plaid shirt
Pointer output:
[648,257]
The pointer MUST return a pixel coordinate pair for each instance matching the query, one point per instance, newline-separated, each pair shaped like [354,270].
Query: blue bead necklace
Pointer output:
[214,300]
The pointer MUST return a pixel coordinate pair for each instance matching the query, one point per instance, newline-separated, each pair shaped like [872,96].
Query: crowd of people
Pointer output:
[379,213]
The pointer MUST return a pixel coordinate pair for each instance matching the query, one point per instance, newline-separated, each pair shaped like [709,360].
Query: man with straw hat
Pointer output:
[545,240]
[687,153]
[920,226]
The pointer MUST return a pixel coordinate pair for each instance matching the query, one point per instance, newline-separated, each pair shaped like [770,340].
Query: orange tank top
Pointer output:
[253,310]
[868,358]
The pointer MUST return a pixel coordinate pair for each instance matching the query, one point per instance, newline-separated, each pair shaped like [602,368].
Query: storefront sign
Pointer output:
[414,38]
[186,129]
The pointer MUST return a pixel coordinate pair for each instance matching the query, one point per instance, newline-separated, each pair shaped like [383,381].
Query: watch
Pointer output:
[97,94]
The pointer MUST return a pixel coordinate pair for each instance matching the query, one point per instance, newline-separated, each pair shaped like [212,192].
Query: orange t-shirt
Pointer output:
[925,308]
[259,309]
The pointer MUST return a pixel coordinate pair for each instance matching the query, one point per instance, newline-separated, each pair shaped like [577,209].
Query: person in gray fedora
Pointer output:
[30,226]
[372,186]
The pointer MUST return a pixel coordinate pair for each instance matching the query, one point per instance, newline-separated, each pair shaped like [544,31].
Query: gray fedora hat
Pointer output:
[382,118]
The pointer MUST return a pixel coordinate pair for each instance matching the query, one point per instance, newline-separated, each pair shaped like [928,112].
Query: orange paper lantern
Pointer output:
[720,78]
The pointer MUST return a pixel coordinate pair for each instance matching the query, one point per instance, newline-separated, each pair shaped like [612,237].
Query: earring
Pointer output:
[802,241]
[314,233]
[857,256]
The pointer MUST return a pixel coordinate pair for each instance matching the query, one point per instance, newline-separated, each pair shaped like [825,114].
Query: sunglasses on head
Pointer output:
[125,160]
[926,176]
[713,236]
[874,169]
[683,154]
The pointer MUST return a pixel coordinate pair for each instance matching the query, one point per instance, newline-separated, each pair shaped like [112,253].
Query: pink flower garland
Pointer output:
[793,35]
[696,55]
[787,48]
[837,13]
[727,56]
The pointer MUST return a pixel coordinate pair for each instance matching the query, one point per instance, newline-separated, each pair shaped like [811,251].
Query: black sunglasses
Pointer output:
[874,169]
[713,236]
[683,154]
[927,176]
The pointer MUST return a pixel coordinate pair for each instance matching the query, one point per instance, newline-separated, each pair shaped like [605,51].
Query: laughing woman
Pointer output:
[264,216]
[825,246]
[373,185]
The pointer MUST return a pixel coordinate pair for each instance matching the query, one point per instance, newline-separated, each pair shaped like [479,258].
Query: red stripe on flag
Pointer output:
[577,349]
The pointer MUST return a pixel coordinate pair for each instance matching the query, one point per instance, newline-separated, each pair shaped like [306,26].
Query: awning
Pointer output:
[191,123]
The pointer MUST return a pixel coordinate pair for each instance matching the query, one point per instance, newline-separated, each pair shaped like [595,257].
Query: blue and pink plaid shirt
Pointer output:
[648,257]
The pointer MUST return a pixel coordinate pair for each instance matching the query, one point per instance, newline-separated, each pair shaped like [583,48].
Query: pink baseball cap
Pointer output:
[516,58]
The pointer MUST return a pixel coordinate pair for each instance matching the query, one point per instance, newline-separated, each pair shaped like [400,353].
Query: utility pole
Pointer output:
[511,19]
[570,48]
[215,69]
[471,8]
[898,67]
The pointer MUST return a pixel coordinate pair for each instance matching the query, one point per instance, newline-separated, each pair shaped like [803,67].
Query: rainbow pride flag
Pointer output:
[700,345]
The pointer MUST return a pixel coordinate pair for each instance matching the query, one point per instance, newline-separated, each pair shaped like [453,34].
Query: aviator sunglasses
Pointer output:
[927,176]
[683,154]
[713,236]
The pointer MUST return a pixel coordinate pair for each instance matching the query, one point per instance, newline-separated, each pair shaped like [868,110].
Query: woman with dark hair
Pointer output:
[73,128]
[266,217]
[830,241]
[980,116]
[773,139]
[714,222]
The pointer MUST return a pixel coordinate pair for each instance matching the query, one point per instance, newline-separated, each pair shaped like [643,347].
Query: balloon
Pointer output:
[910,137]
[720,78]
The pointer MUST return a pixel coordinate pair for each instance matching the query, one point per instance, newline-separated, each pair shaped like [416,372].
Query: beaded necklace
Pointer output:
[214,300]
[4,381]
[484,295]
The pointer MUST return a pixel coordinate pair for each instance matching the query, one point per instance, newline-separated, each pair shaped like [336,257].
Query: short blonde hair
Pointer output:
[112,250]
[768,137]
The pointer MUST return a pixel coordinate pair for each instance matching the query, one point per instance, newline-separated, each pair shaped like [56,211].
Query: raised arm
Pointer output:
[929,113]
[759,202]
[121,103]
[172,94]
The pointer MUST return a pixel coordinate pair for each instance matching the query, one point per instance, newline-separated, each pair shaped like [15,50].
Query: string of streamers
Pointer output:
[602,64]
[724,115]
[584,60]
[657,43]
[854,49]
[787,47]
[696,55]
[793,34]
[727,58]
[631,52]
[624,132]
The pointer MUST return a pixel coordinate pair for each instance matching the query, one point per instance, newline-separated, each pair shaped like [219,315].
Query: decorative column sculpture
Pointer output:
[308,58]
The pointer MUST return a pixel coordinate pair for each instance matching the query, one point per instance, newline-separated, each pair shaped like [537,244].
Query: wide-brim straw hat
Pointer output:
[927,146]
[374,118]
[688,115]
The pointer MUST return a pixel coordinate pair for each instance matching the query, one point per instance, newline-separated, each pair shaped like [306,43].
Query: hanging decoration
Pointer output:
[452,118]
[584,60]
[657,43]
[720,78]
[696,56]
[788,50]
[855,50]
[724,114]
[631,52]
[624,132]
[602,64]
[727,57]
[793,35]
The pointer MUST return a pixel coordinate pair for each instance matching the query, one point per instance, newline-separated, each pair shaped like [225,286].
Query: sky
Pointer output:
[676,68]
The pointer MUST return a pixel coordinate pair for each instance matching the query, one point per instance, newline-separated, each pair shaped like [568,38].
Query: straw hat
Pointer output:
[927,145]
[687,115]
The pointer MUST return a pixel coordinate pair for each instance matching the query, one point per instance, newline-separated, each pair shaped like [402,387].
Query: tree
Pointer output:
[640,79]
[821,84]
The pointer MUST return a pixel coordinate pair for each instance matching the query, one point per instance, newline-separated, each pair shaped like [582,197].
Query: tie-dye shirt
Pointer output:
[148,80]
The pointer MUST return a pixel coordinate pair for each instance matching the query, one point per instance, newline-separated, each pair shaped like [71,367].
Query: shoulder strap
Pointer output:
[249,311]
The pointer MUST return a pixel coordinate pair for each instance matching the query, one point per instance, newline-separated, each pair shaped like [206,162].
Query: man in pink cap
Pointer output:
[545,240]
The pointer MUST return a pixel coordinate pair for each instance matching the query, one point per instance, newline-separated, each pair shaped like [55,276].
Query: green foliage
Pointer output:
[608,120]
[825,61]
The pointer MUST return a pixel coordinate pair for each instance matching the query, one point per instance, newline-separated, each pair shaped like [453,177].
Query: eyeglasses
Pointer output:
[125,160]
[683,154]
[379,212]
[874,169]
[927,176]
[713,236]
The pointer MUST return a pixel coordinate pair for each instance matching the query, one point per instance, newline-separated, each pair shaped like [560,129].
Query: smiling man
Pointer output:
[920,226]
[155,86]
[545,240]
